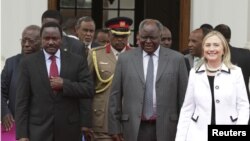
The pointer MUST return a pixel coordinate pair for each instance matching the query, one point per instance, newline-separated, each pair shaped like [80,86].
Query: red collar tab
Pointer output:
[108,48]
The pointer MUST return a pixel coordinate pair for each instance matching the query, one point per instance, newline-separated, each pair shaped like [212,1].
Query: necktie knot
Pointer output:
[52,58]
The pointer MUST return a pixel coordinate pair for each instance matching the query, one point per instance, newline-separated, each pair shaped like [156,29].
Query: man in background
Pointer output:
[195,47]
[85,29]
[102,36]
[239,56]
[30,43]
[166,37]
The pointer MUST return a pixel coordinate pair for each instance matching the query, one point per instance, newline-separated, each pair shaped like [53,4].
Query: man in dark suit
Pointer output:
[68,43]
[50,84]
[130,115]
[30,43]
[239,56]
[77,47]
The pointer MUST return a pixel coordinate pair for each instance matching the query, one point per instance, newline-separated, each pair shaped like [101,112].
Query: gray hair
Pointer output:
[151,21]
[85,19]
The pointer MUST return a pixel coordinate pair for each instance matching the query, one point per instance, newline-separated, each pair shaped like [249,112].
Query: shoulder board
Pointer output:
[98,48]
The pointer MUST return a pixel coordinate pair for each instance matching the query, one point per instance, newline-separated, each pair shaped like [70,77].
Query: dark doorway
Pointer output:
[175,14]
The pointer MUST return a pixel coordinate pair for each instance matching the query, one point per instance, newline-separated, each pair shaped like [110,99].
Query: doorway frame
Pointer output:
[184,27]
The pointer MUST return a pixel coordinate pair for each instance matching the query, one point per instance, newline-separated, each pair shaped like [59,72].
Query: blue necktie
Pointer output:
[148,97]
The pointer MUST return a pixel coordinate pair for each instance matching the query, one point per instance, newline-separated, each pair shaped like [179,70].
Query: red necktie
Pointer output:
[53,67]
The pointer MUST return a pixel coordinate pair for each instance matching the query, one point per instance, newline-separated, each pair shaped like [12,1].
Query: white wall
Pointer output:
[15,16]
[248,28]
[234,13]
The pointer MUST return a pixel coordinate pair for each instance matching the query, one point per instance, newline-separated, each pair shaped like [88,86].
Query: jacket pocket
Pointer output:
[234,118]
[99,112]
[195,117]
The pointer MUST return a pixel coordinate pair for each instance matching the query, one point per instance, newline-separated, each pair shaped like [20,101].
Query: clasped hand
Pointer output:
[56,83]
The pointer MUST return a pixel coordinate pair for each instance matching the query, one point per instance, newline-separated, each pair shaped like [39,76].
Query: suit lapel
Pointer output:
[162,63]
[138,62]
[41,65]
[64,63]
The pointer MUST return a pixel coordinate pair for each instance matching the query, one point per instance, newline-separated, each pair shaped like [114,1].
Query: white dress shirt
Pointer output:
[48,60]
[116,53]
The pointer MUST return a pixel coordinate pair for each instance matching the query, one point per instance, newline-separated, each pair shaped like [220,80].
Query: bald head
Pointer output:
[195,42]
[30,41]
[166,37]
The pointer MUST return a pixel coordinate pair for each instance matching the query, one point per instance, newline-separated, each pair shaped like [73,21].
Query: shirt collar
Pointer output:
[156,53]
[117,52]
[57,54]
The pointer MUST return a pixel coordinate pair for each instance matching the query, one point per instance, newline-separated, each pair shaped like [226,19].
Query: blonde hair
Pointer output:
[226,57]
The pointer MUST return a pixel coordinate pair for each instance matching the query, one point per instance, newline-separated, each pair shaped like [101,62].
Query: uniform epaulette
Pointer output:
[98,48]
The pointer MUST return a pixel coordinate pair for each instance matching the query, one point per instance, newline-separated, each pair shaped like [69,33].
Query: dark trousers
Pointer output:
[147,131]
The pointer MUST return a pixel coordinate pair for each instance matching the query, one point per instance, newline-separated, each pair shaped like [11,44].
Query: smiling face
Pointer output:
[150,37]
[51,39]
[213,49]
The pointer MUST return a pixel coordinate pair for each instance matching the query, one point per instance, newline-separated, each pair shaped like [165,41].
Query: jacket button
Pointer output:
[217,101]
[216,87]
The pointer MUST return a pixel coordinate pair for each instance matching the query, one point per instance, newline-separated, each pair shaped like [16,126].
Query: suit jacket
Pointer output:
[190,59]
[77,47]
[40,114]
[127,94]
[241,58]
[73,45]
[8,85]
[231,103]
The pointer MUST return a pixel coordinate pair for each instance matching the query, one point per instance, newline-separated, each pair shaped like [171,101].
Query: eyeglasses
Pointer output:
[151,38]
[23,41]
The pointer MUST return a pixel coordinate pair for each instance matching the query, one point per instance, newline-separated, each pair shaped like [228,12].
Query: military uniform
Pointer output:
[102,61]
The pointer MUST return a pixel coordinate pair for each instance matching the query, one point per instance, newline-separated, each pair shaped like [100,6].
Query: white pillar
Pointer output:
[248,28]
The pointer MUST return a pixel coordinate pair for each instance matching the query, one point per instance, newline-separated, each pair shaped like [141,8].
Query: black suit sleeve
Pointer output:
[22,101]
[5,84]
[86,112]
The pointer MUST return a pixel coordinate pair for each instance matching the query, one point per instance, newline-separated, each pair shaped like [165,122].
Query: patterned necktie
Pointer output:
[53,67]
[148,97]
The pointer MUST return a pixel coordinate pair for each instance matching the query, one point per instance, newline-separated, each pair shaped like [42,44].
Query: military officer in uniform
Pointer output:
[102,61]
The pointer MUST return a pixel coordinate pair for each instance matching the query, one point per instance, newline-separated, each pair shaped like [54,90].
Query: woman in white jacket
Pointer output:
[216,93]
